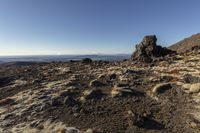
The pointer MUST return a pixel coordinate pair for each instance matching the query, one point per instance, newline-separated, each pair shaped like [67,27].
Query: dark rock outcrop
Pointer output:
[148,50]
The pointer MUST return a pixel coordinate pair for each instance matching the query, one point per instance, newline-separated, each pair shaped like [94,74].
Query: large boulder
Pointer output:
[148,50]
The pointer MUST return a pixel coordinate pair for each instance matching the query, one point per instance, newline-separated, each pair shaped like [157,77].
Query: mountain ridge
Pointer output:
[186,44]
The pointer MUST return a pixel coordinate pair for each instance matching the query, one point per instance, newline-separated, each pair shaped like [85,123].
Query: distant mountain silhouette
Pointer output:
[187,44]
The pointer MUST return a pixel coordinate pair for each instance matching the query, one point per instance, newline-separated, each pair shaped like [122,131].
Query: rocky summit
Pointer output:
[104,97]
[148,50]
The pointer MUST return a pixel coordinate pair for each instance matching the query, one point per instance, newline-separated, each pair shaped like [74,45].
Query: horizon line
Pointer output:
[67,54]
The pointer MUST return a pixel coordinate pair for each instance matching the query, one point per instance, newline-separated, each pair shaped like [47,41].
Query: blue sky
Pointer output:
[36,27]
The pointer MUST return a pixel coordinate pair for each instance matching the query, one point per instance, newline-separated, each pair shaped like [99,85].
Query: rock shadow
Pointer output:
[152,124]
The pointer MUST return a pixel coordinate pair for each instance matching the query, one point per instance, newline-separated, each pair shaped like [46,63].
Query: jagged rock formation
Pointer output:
[148,50]
[187,44]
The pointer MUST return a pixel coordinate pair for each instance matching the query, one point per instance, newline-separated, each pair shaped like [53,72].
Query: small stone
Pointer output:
[186,86]
[113,76]
[65,93]
[124,79]
[34,124]
[91,131]
[72,88]
[122,85]
[193,125]
[72,130]
[8,115]
[44,106]
[7,101]
[96,83]
[180,84]
[7,123]
[76,114]
[36,81]
[82,99]
[94,93]
[41,126]
[43,96]
[161,87]
[63,130]
[71,83]
[20,82]
[195,88]
[69,101]
[102,76]
[120,91]
[134,119]
[56,101]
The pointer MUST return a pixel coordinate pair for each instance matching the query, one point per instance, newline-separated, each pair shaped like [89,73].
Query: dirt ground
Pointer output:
[84,96]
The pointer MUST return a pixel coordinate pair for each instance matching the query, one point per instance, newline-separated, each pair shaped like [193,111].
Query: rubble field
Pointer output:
[161,96]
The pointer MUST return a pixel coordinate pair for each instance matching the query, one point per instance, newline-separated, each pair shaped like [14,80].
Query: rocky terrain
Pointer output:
[153,92]
[188,44]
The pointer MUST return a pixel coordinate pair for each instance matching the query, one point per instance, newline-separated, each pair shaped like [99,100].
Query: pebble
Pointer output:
[120,91]
[93,93]
[160,87]
[56,101]
[7,101]
[96,83]
[195,88]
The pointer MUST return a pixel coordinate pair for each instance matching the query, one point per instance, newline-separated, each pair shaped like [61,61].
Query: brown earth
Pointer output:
[108,97]
[187,44]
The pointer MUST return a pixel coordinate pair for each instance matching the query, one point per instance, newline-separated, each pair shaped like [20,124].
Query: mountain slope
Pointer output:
[186,44]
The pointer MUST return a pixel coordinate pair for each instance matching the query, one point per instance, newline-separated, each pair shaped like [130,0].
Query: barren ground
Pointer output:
[105,97]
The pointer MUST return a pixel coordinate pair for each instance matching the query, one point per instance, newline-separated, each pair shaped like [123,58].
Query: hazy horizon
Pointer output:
[77,27]
[97,54]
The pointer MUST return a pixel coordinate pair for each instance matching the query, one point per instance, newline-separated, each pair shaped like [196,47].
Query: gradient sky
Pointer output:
[36,27]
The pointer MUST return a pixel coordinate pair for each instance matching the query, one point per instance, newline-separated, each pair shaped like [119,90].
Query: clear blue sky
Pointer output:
[31,27]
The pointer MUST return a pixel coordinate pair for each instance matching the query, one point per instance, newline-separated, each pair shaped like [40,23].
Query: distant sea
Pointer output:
[50,58]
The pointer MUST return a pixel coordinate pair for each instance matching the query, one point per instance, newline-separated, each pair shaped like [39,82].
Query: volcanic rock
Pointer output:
[56,101]
[93,93]
[121,91]
[195,88]
[96,83]
[161,87]
[66,93]
[7,101]
[191,88]
[113,76]
[91,131]
[69,101]
[148,50]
